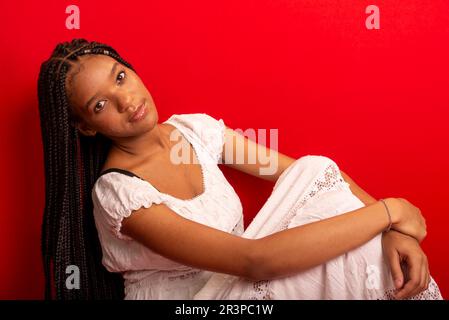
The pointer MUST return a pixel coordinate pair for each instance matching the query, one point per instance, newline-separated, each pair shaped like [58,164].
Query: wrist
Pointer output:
[387,211]
[394,206]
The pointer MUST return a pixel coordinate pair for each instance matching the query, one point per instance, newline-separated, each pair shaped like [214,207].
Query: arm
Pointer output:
[396,246]
[237,146]
[280,254]
[399,249]
[357,191]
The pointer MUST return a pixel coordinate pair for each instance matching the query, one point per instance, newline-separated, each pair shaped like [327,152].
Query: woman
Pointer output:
[120,198]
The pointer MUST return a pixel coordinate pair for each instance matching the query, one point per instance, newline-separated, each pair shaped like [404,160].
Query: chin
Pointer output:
[150,122]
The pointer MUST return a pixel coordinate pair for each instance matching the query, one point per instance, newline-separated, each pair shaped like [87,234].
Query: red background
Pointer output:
[375,101]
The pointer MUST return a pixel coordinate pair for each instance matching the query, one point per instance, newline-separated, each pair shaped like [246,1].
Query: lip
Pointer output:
[139,114]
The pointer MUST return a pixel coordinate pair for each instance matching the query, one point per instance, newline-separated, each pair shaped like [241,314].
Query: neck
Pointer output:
[152,142]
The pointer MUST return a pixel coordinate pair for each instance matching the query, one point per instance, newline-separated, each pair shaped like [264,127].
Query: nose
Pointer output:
[124,101]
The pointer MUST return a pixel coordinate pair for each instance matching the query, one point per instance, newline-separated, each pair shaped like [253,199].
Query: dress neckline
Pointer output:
[193,145]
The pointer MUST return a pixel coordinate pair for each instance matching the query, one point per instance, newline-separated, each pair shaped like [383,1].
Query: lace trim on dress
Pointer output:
[432,293]
[328,180]
[261,291]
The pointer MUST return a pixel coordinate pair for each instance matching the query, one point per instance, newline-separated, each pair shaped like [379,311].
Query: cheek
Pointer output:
[140,86]
[113,125]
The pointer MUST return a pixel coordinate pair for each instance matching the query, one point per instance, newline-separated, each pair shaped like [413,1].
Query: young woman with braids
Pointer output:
[140,224]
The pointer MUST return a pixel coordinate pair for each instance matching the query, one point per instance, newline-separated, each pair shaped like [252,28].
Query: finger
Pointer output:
[423,281]
[420,282]
[414,281]
[395,265]
[417,278]
[425,276]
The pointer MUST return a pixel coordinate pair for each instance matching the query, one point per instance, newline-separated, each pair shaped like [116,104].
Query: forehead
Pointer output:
[87,76]
[90,69]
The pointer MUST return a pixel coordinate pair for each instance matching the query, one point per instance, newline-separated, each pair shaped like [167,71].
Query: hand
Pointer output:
[402,249]
[406,218]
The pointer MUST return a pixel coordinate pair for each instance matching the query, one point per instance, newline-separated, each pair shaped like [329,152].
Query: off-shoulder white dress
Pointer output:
[310,189]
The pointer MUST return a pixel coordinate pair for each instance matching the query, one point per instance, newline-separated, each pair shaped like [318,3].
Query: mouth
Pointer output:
[139,114]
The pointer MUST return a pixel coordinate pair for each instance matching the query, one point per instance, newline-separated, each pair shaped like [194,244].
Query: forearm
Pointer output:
[357,191]
[300,248]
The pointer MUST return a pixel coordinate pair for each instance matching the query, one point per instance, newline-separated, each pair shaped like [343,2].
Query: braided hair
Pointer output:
[72,165]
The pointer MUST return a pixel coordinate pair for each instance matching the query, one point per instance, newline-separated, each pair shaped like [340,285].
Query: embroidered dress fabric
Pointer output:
[309,190]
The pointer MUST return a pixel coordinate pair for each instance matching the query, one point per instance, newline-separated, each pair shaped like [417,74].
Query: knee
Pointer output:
[310,163]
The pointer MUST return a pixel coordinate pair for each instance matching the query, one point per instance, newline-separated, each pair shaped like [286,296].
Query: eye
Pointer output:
[99,106]
[120,76]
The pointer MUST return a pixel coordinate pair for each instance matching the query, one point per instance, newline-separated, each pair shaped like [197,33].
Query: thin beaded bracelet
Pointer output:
[389,215]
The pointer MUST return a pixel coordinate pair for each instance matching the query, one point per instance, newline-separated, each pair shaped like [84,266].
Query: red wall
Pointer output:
[375,101]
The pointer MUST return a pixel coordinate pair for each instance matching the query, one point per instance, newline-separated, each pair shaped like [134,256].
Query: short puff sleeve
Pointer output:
[116,195]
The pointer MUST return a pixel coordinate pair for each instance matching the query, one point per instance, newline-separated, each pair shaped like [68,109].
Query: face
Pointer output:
[108,98]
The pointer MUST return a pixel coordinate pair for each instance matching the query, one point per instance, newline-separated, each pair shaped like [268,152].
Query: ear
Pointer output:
[85,130]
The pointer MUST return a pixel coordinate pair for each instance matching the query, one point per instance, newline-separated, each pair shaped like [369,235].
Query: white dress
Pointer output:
[310,189]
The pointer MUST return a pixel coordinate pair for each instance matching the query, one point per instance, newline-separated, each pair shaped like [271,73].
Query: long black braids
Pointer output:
[72,165]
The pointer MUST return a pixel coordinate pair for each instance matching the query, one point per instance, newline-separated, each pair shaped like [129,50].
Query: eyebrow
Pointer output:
[114,67]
